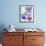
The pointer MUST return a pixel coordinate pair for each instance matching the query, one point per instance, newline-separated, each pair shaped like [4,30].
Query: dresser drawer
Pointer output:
[37,44]
[34,33]
[12,39]
[13,44]
[8,45]
[13,33]
[37,39]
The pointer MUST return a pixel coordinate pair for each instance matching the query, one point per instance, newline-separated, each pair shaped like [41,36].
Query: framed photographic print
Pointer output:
[26,13]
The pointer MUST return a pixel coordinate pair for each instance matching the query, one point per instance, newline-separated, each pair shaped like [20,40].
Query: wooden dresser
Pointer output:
[23,39]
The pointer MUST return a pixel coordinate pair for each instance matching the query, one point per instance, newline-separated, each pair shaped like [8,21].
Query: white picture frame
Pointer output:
[26,13]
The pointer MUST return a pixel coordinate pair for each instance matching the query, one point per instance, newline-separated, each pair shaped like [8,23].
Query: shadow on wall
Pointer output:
[2,26]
